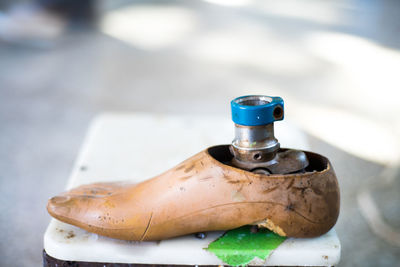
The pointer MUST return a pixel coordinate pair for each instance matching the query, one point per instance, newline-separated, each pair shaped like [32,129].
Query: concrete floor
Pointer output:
[335,63]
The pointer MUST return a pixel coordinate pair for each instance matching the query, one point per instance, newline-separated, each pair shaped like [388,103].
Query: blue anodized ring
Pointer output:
[255,110]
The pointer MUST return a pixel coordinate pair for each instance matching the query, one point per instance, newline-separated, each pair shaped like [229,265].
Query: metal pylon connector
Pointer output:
[255,147]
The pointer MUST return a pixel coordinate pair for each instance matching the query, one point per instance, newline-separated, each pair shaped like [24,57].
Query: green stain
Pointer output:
[239,246]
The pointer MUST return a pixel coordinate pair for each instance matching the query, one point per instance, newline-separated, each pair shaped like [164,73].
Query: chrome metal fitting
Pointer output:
[254,128]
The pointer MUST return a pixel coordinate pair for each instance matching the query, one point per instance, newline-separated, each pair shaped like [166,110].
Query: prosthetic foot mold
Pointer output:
[252,181]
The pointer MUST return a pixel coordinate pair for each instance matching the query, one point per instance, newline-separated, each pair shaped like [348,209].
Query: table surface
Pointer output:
[139,146]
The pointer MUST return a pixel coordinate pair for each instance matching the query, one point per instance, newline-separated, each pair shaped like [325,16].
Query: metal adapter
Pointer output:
[255,147]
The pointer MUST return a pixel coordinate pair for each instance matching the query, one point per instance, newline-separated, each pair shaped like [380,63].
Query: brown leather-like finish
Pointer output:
[204,194]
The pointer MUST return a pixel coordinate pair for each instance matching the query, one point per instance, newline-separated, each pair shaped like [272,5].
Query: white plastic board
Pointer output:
[140,146]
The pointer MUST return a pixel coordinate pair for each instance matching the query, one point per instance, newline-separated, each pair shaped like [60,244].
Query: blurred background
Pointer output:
[335,63]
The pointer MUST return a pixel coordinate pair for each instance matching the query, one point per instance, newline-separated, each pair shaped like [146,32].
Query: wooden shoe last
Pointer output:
[206,193]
